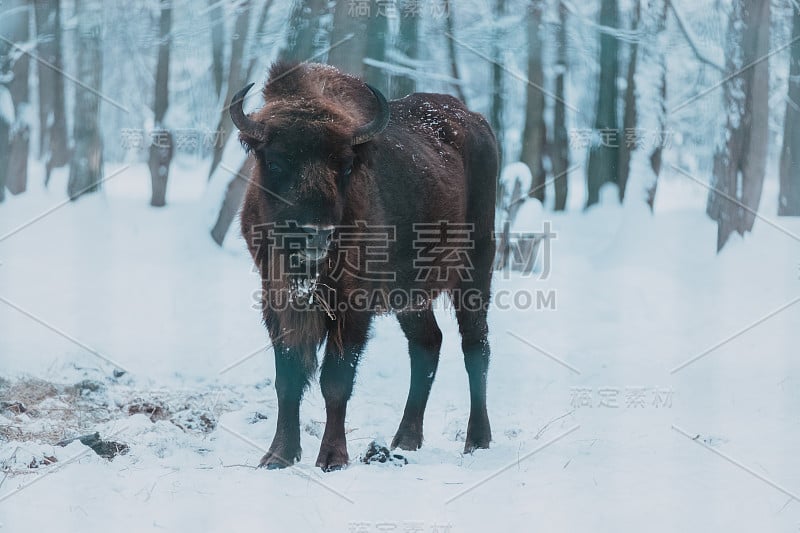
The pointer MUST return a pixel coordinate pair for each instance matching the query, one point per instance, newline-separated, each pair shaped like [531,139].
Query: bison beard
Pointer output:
[330,152]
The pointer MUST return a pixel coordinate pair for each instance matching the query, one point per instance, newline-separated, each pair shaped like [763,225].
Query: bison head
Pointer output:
[306,142]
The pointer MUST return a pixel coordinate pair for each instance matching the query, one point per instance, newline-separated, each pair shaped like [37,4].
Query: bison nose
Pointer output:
[318,237]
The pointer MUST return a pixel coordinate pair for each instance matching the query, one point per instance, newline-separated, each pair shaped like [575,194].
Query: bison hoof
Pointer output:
[479,434]
[407,440]
[271,465]
[471,446]
[275,459]
[332,458]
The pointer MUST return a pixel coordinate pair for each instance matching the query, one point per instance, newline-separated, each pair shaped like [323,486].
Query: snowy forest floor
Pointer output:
[598,425]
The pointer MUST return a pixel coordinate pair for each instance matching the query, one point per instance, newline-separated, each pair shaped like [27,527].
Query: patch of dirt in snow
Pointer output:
[38,410]
[39,418]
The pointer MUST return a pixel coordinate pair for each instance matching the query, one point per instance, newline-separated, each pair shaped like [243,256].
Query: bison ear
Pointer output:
[250,144]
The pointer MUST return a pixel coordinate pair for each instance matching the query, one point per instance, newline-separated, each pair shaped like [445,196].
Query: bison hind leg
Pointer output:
[424,343]
[471,304]
[475,345]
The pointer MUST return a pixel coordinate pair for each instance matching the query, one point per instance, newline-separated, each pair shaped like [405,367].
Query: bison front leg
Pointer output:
[336,380]
[292,374]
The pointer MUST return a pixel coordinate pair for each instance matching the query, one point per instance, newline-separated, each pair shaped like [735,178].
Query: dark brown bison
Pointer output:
[353,209]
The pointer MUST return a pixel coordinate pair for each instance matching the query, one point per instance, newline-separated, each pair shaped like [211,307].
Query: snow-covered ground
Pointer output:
[598,422]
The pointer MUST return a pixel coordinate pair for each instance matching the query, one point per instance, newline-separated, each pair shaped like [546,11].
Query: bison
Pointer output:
[333,161]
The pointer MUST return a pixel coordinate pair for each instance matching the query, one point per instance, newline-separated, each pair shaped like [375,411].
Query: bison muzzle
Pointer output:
[358,206]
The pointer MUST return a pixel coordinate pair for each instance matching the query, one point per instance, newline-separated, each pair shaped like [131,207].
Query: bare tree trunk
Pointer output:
[629,120]
[161,150]
[377,31]
[19,134]
[740,160]
[53,139]
[658,148]
[408,45]
[86,168]
[303,28]
[559,151]
[534,137]
[304,25]
[789,198]
[4,133]
[217,21]
[7,114]
[237,74]
[451,50]
[496,110]
[648,79]
[351,29]
[603,159]
[233,199]
[235,81]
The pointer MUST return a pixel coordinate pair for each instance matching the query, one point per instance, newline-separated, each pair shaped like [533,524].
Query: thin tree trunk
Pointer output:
[534,136]
[19,136]
[235,81]
[603,159]
[351,29]
[496,109]
[451,50]
[4,133]
[658,148]
[237,75]
[408,45]
[233,199]
[216,19]
[629,120]
[53,139]
[740,160]
[303,28]
[304,25]
[162,148]
[377,37]
[559,151]
[789,197]
[7,114]
[644,135]
[86,168]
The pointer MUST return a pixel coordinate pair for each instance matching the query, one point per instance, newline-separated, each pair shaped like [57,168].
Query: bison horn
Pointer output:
[378,124]
[242,121]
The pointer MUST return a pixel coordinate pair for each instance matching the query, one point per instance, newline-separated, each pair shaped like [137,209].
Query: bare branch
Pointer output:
[687,33]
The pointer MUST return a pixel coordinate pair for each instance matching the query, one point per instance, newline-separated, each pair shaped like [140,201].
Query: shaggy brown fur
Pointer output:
[435,161]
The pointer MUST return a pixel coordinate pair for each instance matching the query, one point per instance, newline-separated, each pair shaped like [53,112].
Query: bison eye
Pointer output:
[274,168]
[347,170]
